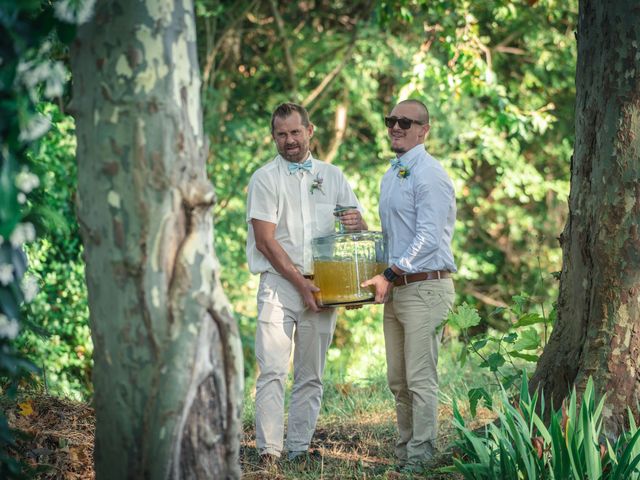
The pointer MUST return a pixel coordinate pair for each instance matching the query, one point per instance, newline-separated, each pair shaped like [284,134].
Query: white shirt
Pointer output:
[418,214]
[299,213]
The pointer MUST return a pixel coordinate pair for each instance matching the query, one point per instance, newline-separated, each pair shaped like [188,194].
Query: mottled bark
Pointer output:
[168,364]
[598,329]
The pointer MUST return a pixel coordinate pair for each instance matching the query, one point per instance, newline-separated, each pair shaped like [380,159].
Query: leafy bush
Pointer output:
[60,342]
[521,446]
[28,74]
[503,353]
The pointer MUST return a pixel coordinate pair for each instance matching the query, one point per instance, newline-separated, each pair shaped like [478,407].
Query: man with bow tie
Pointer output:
[418,214]
[291,201]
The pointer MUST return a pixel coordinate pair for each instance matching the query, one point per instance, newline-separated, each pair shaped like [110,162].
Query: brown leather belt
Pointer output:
[308,277]
[420,276]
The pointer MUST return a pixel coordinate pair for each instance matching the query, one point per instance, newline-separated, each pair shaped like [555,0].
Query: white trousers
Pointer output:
[284,321]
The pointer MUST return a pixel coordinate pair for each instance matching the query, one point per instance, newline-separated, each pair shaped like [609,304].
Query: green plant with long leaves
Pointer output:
[520,445]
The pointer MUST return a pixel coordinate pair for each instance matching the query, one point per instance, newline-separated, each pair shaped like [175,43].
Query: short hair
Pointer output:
[424,111]
[285,109]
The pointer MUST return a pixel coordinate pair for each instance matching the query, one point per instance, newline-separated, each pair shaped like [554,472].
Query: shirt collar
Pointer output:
[409,157]
[284,163]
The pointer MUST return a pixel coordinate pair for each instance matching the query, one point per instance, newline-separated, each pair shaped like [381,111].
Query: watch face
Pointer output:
[390,275]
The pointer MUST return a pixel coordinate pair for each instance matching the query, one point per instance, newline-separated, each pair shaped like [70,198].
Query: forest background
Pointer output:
[499,80]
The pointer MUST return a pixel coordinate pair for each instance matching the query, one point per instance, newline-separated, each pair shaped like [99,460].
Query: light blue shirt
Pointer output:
[418,214]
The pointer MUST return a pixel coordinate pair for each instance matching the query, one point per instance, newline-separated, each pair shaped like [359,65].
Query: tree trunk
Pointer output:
[598,329]
[167,360]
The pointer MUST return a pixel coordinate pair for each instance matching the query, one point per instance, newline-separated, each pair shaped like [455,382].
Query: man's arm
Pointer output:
[435,197]
[267,244]
[382,285]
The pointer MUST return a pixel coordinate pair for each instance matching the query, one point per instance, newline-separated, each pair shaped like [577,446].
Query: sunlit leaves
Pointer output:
[501,352]
[463,317]
[26,408]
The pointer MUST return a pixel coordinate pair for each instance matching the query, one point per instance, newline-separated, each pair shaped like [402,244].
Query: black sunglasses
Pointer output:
[404,123]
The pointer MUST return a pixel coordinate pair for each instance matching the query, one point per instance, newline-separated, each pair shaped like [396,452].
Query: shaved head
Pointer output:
[420,109]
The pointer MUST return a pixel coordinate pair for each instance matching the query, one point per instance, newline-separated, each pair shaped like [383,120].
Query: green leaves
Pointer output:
[529,319]
[477,394]
[493,362]
[464,317]
[499,351]
[29,75]
[522,446]
[10,213]
[528,339]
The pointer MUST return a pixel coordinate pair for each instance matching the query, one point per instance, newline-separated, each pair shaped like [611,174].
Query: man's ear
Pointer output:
[310,129]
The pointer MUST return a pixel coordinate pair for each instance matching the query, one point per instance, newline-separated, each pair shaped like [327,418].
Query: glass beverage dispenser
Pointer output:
[342,261]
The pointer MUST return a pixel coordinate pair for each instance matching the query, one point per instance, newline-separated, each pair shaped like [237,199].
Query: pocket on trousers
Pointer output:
[431,295]
[268,291]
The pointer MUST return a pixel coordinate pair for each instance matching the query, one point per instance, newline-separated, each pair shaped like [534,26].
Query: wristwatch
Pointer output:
[390,275]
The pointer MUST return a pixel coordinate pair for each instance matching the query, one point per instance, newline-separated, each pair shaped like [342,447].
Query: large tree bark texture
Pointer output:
[598,329]
[168,363]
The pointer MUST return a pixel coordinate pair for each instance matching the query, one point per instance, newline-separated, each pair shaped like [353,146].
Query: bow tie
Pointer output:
[396,163]
[296,167]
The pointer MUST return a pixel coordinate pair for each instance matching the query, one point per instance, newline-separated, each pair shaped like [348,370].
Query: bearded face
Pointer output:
[292,137]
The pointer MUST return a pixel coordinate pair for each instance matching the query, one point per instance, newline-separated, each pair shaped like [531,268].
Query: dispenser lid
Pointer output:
[357,236]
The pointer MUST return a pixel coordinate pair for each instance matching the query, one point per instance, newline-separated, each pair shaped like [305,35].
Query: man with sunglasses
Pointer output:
[291,200]
[417,212]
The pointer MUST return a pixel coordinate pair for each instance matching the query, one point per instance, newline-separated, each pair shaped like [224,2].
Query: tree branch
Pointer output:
[326,81]
[485,298]
[208,67]
[287,51]
[347,56]
[511,50]
[340,127]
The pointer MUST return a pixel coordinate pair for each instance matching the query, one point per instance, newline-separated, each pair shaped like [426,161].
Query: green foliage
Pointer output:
[477,394]
[29,75]
[464,317]
[571,447]
[501,352]
[498,78]
[60,342]
[500,91]
[60,312]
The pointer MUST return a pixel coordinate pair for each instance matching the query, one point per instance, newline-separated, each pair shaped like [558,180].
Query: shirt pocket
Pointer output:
[325,221]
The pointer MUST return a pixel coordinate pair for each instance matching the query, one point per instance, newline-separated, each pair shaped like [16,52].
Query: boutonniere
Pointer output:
[403,172]
[317,184]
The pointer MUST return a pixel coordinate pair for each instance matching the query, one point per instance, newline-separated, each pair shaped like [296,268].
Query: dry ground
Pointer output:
[59,443]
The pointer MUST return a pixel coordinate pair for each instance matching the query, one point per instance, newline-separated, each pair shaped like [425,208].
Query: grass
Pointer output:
[355,438]
[356,429]
[355,435]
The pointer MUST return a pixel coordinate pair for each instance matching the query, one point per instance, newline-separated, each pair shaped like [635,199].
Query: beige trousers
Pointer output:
[411,318]
[284,321]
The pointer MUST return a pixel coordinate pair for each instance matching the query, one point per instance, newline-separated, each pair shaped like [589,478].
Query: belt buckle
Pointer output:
[438,272]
